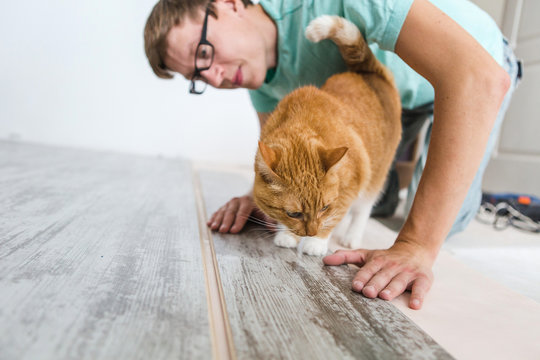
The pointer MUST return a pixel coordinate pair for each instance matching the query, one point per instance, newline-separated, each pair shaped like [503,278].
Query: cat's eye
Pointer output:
[325,208]
[295,215]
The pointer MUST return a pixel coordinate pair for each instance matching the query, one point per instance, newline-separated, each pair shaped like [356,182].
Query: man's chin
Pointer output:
[253,86]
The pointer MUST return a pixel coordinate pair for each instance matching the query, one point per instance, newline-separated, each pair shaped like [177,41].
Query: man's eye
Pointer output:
[204,53]
[295,215]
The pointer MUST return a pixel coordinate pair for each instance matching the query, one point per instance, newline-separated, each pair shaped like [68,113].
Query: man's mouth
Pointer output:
[237,81]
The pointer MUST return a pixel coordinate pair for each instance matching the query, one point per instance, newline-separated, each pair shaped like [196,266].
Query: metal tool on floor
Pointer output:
[507,209]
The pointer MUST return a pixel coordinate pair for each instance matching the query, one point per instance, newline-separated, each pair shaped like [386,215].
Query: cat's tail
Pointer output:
[351,44]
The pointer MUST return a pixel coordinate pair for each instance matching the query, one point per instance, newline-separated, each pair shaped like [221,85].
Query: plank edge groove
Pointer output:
[220,329]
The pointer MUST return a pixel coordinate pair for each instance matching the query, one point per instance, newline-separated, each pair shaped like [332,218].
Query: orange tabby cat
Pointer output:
[325,153]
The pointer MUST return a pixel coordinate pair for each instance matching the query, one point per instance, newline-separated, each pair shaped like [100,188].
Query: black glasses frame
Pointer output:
[197,74]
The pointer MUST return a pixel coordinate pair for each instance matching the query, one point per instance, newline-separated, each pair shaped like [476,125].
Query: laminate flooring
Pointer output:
[106,256]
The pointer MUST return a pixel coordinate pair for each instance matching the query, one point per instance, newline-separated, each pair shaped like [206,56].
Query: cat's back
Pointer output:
[370,95]
[306,108]
[375,116]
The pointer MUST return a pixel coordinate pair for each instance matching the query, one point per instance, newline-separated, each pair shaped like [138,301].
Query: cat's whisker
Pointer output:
[329,223]
[252,218]
[264,235]
[259,230]
[260,221]
[260,233]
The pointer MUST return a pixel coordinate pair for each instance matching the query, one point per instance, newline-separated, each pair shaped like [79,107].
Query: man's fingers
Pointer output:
[379,281]
[420,288]
[230,215]
[387,273]
[364,275]
[211,220]
[217,218]
[341,257]
[218,214]
[396,287]
[242,215]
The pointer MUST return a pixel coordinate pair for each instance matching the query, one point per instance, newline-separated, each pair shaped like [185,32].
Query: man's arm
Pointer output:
[469,89]
[232,216]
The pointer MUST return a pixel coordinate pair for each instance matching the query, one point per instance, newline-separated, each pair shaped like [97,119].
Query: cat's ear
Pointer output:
[270,156]
[331,157]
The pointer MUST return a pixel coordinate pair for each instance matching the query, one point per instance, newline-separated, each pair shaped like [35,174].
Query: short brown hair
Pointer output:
[164,16]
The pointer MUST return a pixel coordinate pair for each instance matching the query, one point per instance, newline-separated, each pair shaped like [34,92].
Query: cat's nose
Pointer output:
[311,229]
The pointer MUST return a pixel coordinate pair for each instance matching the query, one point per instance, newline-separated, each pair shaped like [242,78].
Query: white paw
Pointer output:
[319,28]
[285,239]
[315,246]
[352,239]
[347,241]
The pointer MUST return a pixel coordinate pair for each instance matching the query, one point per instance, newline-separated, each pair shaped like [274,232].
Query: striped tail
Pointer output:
[352,46]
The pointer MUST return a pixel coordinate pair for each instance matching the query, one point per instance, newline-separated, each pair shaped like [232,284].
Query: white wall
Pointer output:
[74,73]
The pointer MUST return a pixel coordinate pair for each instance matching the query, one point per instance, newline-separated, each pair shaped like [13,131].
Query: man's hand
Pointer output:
[232,216]
[388,273]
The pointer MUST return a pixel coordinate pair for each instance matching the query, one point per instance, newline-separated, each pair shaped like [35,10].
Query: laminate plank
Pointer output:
[100,257]
[281,306]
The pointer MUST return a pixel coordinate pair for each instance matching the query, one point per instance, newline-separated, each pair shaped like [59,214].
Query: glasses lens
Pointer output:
[198,85]
[204,57]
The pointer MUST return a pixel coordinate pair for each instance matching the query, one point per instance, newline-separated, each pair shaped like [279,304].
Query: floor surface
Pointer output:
[106,256]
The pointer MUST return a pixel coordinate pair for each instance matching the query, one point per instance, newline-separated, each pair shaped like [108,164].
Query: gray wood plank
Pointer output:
[99,257]
[284,307]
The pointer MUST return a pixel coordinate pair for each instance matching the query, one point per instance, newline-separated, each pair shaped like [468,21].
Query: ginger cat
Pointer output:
[325,153]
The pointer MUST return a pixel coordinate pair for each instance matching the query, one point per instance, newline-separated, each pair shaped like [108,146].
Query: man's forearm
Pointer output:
[463,119]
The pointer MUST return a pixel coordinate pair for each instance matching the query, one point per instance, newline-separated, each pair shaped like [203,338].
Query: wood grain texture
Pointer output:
[99,257]
[284,307]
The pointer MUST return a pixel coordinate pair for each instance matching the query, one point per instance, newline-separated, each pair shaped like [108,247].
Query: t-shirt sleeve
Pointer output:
[262,102]
[379,21]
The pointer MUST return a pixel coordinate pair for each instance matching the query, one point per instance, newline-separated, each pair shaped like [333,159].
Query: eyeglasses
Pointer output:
[204,56]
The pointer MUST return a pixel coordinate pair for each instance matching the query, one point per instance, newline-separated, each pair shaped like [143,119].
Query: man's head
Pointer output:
[174,29]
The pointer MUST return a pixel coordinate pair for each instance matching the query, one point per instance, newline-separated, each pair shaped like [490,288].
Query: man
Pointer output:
[233,44]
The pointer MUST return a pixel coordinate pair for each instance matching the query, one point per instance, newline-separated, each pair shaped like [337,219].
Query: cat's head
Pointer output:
[299,187]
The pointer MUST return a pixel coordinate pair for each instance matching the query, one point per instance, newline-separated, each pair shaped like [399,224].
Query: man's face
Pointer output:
[239,51]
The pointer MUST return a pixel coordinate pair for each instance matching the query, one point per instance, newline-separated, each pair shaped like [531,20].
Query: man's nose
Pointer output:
[214,75]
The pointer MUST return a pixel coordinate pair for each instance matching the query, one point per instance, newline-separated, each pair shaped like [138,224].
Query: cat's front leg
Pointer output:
[360,211]
[315,246]
[339,232]
[284,238]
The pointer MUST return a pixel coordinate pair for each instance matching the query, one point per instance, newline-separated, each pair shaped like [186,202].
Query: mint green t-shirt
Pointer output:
[301,62]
